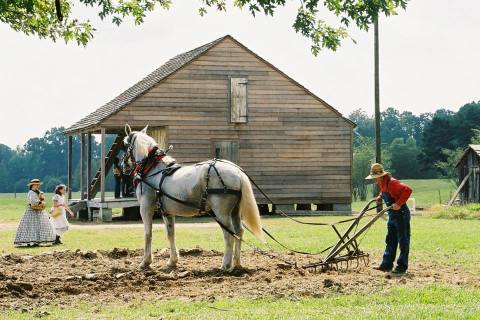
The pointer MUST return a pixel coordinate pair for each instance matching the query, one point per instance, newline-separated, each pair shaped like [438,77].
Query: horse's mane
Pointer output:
[144,143]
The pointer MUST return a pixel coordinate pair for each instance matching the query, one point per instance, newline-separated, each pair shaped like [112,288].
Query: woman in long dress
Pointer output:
[35,227]
[59,213]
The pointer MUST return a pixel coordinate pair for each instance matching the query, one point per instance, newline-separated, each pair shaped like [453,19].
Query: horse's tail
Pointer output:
[249,210]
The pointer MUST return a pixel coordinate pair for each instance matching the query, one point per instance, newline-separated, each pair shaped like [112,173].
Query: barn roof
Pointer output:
[172,65]
[474,147]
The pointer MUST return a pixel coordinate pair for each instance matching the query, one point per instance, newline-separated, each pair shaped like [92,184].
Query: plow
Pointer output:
[346,253]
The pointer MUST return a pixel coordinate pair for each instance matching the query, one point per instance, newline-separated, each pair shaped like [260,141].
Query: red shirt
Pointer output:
[399,191]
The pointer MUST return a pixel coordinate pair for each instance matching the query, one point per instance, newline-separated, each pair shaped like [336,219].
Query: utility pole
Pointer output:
[378,140]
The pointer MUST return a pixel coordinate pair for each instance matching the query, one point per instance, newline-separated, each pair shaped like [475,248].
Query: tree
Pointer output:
[449,130]
[447,167]
[365,124]
[439,135]
[45,158]
[363,156]
[54,18]
[394,124]
[404,159]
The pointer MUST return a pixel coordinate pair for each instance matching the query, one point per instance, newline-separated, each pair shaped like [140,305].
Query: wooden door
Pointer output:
[227,150]
[160,136]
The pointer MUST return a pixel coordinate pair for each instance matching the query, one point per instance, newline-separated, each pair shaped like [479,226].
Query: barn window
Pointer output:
[227,150]
[238,100]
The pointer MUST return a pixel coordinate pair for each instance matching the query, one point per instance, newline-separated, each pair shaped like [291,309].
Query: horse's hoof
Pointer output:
[172,264]
[227,269]
[237,264]
[144,265]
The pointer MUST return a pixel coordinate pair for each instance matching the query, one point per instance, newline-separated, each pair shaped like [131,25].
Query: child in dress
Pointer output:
[34,227]
[59,212]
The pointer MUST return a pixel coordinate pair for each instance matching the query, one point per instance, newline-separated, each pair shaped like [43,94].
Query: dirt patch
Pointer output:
[70,277]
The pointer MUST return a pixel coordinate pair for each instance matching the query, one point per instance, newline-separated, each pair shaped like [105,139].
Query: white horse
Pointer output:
[188,184]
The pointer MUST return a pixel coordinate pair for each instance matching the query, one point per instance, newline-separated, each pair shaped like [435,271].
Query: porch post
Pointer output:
[102,166]
[89,166]
[69,166]
[82,166]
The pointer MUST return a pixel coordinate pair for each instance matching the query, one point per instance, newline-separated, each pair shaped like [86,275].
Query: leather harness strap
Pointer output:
[170,171]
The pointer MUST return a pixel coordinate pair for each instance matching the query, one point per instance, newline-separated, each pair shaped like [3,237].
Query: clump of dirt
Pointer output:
[27,282]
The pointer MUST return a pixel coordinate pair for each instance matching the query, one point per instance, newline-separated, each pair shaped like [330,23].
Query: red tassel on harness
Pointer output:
[151,162]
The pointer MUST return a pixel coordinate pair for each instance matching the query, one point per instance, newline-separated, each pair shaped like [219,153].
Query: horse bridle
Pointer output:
[138,166]
[128,155]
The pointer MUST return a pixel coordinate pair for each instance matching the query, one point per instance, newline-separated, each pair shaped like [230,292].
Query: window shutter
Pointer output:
[238,100]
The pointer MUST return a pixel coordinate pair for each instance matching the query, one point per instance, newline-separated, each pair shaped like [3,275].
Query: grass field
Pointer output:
[452,243]
[446,242]
[426,193]
[431,302]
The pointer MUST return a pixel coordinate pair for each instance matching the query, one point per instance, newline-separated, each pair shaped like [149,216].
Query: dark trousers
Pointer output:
[398,235]
[118,184]
[127,188]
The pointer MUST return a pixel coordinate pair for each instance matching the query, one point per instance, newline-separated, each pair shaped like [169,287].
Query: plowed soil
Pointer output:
[70,277]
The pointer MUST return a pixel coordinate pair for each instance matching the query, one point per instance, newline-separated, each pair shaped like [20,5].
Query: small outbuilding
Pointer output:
[222,100]
[468,175]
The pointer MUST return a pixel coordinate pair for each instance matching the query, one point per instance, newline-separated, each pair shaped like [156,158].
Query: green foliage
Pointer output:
[448,166]
[438,138]
[363,157]
[311,25]
[450,130]
[404,158]
[45,158]
[393,124]
[46,20]
[475,136]
[43,19]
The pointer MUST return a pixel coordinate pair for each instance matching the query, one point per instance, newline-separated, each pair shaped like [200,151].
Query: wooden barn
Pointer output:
[469,175]
[222,100]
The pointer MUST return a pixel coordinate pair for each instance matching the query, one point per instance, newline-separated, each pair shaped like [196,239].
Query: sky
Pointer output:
[429,59]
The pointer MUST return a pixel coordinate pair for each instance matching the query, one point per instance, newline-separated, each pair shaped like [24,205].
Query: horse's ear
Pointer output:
[128,130]
[144,130]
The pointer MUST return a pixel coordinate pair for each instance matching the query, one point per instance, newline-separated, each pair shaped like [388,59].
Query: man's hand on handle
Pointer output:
[395,206]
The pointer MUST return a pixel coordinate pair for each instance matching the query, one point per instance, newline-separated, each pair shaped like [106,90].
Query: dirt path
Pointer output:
[70,277]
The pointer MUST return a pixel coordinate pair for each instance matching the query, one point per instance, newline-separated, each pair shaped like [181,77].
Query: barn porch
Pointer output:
[93,202]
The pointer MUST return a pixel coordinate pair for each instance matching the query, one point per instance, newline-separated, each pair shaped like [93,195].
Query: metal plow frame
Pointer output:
[346,252]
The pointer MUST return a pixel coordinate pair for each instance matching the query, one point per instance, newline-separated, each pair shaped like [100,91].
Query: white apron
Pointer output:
[60,223]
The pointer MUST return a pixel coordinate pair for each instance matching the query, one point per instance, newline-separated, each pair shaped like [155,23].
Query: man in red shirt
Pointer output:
[395,194]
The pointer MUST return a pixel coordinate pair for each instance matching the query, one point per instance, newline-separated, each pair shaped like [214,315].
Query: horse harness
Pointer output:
[140,174]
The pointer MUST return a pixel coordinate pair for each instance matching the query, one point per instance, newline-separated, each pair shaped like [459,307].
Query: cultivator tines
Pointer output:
[345,262]
[346,252]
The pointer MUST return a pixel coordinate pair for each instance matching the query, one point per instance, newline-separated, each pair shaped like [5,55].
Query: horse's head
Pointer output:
[138,145]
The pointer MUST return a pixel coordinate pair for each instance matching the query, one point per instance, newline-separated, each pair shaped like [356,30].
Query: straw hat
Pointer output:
[377,171]
[34,181]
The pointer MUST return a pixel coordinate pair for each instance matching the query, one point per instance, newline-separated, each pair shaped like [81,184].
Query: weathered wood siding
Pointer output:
[471,190]
[294,146]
